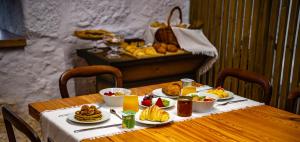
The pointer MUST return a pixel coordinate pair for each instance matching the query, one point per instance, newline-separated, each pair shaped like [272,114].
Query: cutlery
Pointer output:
[112,111]
[93,128]
[230,102]
[66,114]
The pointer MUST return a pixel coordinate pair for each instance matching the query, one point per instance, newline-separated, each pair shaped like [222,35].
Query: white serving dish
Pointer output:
[203,106]
[114,101]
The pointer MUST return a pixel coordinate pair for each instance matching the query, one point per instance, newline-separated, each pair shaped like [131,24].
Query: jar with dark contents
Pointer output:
[184,106]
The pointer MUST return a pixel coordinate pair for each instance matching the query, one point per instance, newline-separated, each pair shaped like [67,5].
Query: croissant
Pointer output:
[154,113]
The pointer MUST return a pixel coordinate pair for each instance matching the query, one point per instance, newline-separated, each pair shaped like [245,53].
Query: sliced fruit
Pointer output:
[147,102]
[159,102]
[166,102]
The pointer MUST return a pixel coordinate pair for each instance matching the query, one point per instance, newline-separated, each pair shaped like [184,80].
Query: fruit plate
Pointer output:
[137,119]
[158,92]
[171,104]
[105,116]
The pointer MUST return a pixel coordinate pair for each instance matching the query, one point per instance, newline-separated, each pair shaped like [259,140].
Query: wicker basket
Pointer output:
[165,34]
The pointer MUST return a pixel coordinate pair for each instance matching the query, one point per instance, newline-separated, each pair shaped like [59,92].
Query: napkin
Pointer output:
[193,41]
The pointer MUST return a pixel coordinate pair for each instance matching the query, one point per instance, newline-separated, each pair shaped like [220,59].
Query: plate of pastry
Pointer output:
[89,114]
[148,101]
[153,115]
[170,91]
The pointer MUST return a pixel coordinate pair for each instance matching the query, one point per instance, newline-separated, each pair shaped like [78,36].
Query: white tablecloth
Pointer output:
[61,130]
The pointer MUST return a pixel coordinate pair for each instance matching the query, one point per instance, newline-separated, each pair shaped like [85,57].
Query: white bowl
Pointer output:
[203,106]
[114,101]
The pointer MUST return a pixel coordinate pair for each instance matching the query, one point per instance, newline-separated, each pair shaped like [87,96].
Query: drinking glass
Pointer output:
[131,102]
[114,43]
[96,48]
[187,87]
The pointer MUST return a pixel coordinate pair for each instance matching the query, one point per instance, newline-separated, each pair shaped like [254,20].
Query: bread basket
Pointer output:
[166,34]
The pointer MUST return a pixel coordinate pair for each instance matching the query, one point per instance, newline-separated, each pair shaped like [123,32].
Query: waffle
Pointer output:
[87,113]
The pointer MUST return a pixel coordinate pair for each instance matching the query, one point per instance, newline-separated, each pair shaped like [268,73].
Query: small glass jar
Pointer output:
[128,119]
[184,106]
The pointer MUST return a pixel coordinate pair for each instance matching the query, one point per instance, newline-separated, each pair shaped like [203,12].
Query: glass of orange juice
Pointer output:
[131,102]
[187,86]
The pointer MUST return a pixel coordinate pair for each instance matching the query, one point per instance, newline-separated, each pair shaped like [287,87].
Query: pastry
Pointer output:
[139,53]
[150,51]
[172,89]
[172,48]
[157,24]
[88,113]
[131,48]
[92,34]
[154,113]
[160,48]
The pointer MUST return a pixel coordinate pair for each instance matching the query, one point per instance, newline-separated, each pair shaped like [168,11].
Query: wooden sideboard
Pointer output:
[140,72]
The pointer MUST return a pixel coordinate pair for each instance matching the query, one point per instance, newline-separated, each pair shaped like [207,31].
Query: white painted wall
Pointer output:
[31,74]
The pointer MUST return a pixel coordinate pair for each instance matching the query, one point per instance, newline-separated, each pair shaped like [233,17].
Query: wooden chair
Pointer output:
[88,71]
[12,119]
[293,97]
[249,77]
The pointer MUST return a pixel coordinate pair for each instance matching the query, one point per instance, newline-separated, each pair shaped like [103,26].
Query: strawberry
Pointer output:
[159,102]
[146,102]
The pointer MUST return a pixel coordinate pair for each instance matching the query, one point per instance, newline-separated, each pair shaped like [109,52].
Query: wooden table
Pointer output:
[145,71]
[260,123]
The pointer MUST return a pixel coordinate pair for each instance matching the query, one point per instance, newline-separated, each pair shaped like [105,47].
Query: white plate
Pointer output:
[230,95]
[158,92]
[171,104]
[105,116]
[137,119]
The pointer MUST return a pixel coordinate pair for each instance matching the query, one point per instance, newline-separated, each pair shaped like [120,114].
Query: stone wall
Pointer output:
[31,74]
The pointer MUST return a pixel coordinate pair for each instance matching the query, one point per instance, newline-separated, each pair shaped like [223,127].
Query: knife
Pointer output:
[93,128]
[231,102]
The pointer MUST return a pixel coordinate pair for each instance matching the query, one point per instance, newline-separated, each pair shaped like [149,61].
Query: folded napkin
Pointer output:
[193,41]
[61,130]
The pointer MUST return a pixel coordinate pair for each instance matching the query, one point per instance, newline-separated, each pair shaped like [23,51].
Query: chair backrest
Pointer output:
[12,119]
[88,71]
[293,97]
[249,77]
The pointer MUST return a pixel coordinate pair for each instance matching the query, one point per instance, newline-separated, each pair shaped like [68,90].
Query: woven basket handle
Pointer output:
[171,13]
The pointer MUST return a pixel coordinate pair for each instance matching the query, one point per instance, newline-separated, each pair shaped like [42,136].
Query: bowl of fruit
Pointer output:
[202,102]
[114,96]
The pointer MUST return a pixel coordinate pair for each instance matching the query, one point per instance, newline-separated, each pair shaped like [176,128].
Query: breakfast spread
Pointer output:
[88,113]
[172,89]
[92,34]
[219,91]
[147,101]
[154,113]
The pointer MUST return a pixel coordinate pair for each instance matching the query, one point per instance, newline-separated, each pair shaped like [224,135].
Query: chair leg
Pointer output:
[49,140]
[9,131]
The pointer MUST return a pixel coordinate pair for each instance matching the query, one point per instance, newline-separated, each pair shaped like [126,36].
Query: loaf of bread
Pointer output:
[172,89]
